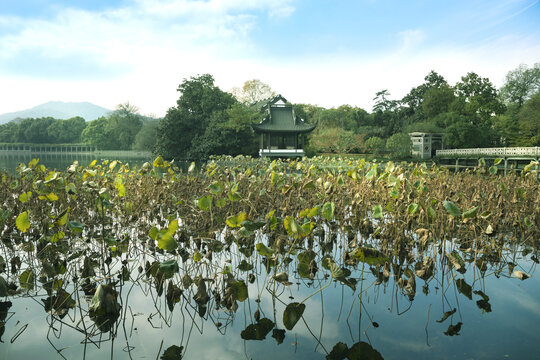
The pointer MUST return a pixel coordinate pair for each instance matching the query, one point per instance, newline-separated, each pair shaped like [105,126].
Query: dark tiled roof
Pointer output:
[282,119]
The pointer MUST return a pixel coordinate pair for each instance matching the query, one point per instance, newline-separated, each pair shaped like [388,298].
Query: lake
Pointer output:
[61,162]
[292,263]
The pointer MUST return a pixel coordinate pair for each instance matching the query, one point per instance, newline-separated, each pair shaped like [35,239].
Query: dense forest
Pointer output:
[209,121]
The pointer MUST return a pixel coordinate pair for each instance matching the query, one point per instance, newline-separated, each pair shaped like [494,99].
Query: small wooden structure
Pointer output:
[425,145]
[281,131]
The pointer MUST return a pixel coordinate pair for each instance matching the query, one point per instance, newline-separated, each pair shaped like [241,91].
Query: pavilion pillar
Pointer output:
[261,142]
[269,140]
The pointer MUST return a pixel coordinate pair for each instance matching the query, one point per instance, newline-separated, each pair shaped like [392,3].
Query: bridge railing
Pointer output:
[501,151]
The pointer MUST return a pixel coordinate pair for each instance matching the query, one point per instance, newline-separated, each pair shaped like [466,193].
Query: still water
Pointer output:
[490,314]
[62,162]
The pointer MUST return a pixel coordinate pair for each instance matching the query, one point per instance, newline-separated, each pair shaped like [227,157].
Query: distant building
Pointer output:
[281,131]
[426,144]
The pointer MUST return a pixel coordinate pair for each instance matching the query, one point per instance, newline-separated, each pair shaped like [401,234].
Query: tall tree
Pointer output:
[181,133]
[96,134]
[123,125]
[146,137]
[478,99]
[413,111]
[520,84]
[437,100]
[529,121]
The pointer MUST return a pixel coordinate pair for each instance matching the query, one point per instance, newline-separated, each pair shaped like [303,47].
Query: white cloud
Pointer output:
[411,38]
[143,51]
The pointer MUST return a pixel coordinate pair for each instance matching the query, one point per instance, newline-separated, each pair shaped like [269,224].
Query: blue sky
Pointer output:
[325,52]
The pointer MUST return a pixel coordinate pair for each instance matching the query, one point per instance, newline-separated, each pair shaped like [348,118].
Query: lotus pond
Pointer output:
[249,259]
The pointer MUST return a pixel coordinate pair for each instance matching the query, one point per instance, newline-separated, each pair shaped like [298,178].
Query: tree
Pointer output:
[437,100]
[375,145]
[8,132]
[116,131]
[382,103]
[387,113]
[520,84]
[35,131]
[96,134]
[123,125]
[506,126]
[414,100]
[529,122]
[309,113]
[478,99]
[400,145]
[230,132]
[334,140]
[66,131]
[181,133]
[146,137]
[461,132]
[253,91]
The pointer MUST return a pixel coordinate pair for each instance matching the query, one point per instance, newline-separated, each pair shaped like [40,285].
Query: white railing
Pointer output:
[281,152]
[502,151]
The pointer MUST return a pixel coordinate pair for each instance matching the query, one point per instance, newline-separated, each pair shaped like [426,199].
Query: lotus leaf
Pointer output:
[293,312]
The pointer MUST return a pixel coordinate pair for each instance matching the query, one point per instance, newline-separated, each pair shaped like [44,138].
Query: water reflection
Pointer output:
[10,163]
[482,312]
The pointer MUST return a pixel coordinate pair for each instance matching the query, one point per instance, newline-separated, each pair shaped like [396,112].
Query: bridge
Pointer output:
[66,150]
[511,157]
[500,152]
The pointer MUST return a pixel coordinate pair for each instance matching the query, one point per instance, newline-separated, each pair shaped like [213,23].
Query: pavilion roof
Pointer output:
[280,118]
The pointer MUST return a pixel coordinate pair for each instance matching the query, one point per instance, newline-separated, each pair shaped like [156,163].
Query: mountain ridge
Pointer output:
[58,110]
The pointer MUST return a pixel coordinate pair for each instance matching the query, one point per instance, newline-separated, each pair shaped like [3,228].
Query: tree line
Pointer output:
[471,113]
[209,121]
[122,129]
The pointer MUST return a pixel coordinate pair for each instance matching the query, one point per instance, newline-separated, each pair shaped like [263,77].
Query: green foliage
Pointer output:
[66,131]
[460,132]
[377,212]
[478,98]
[520,84]
[45,130]
[437,100]
[334,140]
[375,145]
[337,217]
[451,208]
[116,131]
[3,287]
[400,145]
[146,137]
[529,124]
[192,130]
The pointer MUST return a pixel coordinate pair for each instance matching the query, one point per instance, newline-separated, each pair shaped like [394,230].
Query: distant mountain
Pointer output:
[58,110]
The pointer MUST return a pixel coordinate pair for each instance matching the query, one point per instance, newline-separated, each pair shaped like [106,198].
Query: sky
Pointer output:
[321,52]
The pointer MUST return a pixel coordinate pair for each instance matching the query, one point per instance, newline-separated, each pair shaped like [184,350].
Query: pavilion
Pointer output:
[281,131]
[425,145]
